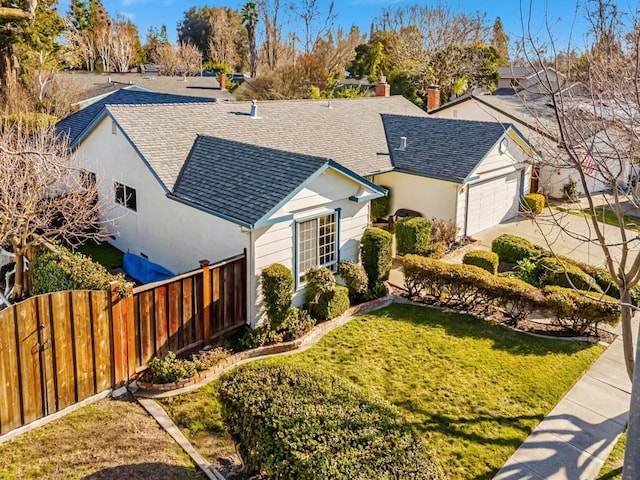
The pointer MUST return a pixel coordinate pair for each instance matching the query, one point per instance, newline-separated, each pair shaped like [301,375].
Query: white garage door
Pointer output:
[493,202]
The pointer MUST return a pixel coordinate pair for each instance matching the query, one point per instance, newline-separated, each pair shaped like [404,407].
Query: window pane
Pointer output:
[132,202]
[307,246]
[119,189]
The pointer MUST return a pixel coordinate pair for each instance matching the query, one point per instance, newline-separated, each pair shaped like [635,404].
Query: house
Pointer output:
[531,79]
[533,115]
[289,181]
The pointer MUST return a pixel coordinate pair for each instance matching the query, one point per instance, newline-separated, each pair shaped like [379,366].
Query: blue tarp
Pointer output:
[143,270]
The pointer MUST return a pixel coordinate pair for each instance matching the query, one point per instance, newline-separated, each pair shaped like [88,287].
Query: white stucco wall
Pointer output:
[171,234]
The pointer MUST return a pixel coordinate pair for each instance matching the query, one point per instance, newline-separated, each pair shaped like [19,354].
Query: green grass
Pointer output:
[472,389]
[612,468]
[607,216]
[103,253]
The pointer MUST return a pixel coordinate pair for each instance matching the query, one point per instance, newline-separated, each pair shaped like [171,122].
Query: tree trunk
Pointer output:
[627,334]
[631,469]
[18,280]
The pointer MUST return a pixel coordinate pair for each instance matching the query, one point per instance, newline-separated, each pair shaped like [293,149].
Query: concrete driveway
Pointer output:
[565,234]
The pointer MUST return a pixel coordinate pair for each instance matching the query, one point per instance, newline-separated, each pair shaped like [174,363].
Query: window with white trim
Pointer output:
[125,196]
[317,243]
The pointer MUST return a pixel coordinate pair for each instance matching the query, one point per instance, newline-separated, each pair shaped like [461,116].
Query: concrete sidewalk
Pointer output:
[574,440]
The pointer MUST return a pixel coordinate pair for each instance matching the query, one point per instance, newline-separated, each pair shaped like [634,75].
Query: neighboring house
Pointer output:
[533,115]
[290,181]
[93,86]
[539,80]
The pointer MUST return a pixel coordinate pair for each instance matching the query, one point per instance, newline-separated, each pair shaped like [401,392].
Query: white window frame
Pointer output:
[332,263]
[125,203]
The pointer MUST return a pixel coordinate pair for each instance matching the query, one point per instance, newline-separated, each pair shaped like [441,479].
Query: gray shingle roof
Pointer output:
[440,148]
[350,132]
[74,124]
[239,180]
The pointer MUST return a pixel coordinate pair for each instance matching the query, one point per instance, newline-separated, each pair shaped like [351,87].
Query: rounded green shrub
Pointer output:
[332,304]
[581,311]
[413,235]
[552,271]
[319,281]
[381,207]
[298,422]
[512,249]
[533,203]
[277,292]
[65,270]
[482,258]
[377,258]
[355,279]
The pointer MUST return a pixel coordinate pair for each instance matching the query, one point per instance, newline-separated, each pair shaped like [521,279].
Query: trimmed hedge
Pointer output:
[552,271]
[381,207]
[533,203]
[512,249]
[468,286]
[297,422]
[355,279]
[581,311]
[484,259]
[277,292]
[65,270]
[332,304]
[413,235]
[377,258]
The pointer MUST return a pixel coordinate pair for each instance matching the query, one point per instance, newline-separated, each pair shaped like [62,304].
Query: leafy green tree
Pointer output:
[195,28]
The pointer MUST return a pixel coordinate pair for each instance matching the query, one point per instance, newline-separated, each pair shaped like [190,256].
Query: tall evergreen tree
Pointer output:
[500,41]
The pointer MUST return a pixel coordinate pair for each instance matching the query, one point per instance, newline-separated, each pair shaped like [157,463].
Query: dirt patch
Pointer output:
[113,438]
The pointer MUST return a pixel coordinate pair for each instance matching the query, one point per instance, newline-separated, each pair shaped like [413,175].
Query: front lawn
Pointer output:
[612,468]
[472,389]
[108,439]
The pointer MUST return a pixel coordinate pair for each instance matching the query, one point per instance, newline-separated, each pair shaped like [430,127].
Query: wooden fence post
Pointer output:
[120,308]
[206,300]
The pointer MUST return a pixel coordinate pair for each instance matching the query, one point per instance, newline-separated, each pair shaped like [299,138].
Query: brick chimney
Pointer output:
[383,89]
[223,81]
[433,97]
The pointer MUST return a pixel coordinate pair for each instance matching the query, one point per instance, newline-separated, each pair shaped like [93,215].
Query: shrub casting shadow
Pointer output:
[146,471]
[463,325]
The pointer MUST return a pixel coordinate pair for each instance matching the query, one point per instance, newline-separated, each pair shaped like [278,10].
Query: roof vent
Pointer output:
[254,109]
[403,144]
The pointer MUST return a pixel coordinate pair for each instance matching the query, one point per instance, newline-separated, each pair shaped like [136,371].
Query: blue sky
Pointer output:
[561,14]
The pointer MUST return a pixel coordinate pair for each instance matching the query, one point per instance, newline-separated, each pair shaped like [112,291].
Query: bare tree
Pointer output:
[166,57]
[103,36]
[596,135]
[83,44]
[272,31]
[316,23]
[124,43]
[189,58]
[226,31]
[43,195]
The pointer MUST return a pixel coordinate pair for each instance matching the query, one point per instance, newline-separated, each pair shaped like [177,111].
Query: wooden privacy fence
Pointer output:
[61,348]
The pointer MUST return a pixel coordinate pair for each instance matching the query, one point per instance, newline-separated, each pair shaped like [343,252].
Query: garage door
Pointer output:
[493,202]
